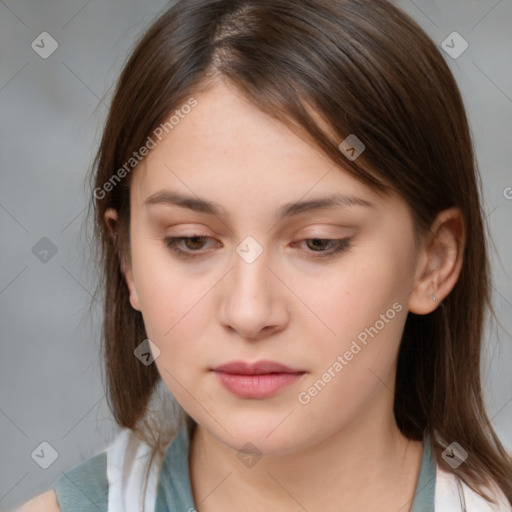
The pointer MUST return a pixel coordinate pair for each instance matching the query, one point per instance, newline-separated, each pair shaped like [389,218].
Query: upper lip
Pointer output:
[257,368]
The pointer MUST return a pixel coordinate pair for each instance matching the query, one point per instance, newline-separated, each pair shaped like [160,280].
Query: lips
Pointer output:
[256,380]
[258,368]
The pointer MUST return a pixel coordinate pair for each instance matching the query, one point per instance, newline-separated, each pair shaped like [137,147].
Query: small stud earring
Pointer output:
[433,297]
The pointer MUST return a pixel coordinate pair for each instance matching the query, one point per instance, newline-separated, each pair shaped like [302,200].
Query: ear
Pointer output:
[111,219]
[439,262]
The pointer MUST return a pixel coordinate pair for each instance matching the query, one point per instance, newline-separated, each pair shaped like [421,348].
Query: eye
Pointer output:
[333,246]
[192,243]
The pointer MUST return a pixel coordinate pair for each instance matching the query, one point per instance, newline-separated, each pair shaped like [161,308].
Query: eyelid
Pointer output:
[325,230]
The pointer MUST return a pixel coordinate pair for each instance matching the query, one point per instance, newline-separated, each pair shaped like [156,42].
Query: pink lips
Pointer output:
[258,380]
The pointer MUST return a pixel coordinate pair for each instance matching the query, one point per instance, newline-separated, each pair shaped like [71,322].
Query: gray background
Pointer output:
[52,111]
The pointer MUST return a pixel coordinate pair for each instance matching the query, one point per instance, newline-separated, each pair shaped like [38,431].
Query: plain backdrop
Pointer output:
[52,110]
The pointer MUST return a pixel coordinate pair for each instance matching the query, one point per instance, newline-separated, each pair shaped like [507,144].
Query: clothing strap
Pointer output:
[132,474]
[452,494]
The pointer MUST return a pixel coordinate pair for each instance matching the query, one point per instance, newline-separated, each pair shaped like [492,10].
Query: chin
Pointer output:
[266,433]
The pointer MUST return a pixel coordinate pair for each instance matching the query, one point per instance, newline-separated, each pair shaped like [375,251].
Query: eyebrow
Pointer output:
[202,205]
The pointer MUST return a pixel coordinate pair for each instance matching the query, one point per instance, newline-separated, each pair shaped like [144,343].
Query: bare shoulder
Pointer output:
[44,502]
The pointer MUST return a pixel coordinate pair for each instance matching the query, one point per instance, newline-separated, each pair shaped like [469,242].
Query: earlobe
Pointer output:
[111,218]
[439,263]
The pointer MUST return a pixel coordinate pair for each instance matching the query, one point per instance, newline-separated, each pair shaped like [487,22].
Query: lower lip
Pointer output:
[257,386]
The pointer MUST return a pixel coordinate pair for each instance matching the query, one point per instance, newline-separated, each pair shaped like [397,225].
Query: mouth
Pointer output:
[256,380]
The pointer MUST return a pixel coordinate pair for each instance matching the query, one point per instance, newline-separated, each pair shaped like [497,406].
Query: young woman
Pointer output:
[287,205]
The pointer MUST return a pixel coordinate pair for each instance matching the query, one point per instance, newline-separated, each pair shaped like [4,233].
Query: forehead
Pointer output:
[225,141]
[251,166]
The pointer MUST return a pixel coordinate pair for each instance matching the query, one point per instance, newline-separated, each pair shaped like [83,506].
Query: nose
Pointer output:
[254,301]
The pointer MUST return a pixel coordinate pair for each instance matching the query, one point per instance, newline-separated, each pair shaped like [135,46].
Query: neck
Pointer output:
[367,464]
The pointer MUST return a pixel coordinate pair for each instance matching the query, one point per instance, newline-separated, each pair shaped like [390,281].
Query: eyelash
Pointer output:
[340,245]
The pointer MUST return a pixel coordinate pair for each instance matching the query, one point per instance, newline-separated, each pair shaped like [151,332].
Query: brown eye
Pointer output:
[326,246]
[192,244]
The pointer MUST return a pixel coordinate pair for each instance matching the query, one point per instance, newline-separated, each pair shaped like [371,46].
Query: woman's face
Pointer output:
[322,290]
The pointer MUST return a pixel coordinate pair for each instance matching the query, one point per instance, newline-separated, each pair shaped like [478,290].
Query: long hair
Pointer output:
[328,69]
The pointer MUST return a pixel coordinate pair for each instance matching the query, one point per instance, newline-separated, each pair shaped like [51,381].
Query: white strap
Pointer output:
[452,494]
[127,465]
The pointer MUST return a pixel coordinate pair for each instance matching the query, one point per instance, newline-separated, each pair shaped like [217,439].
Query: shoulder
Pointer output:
[44,502]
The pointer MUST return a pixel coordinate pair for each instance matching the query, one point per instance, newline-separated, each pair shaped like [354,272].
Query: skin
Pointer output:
[343,450]
[44,502]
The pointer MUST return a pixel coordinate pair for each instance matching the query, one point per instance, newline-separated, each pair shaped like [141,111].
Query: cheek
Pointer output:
[173,310]
[173,315]
[354,298]
[170,298]
[365,307]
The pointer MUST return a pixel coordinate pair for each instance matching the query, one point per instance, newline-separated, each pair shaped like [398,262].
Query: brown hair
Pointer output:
[365,68]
